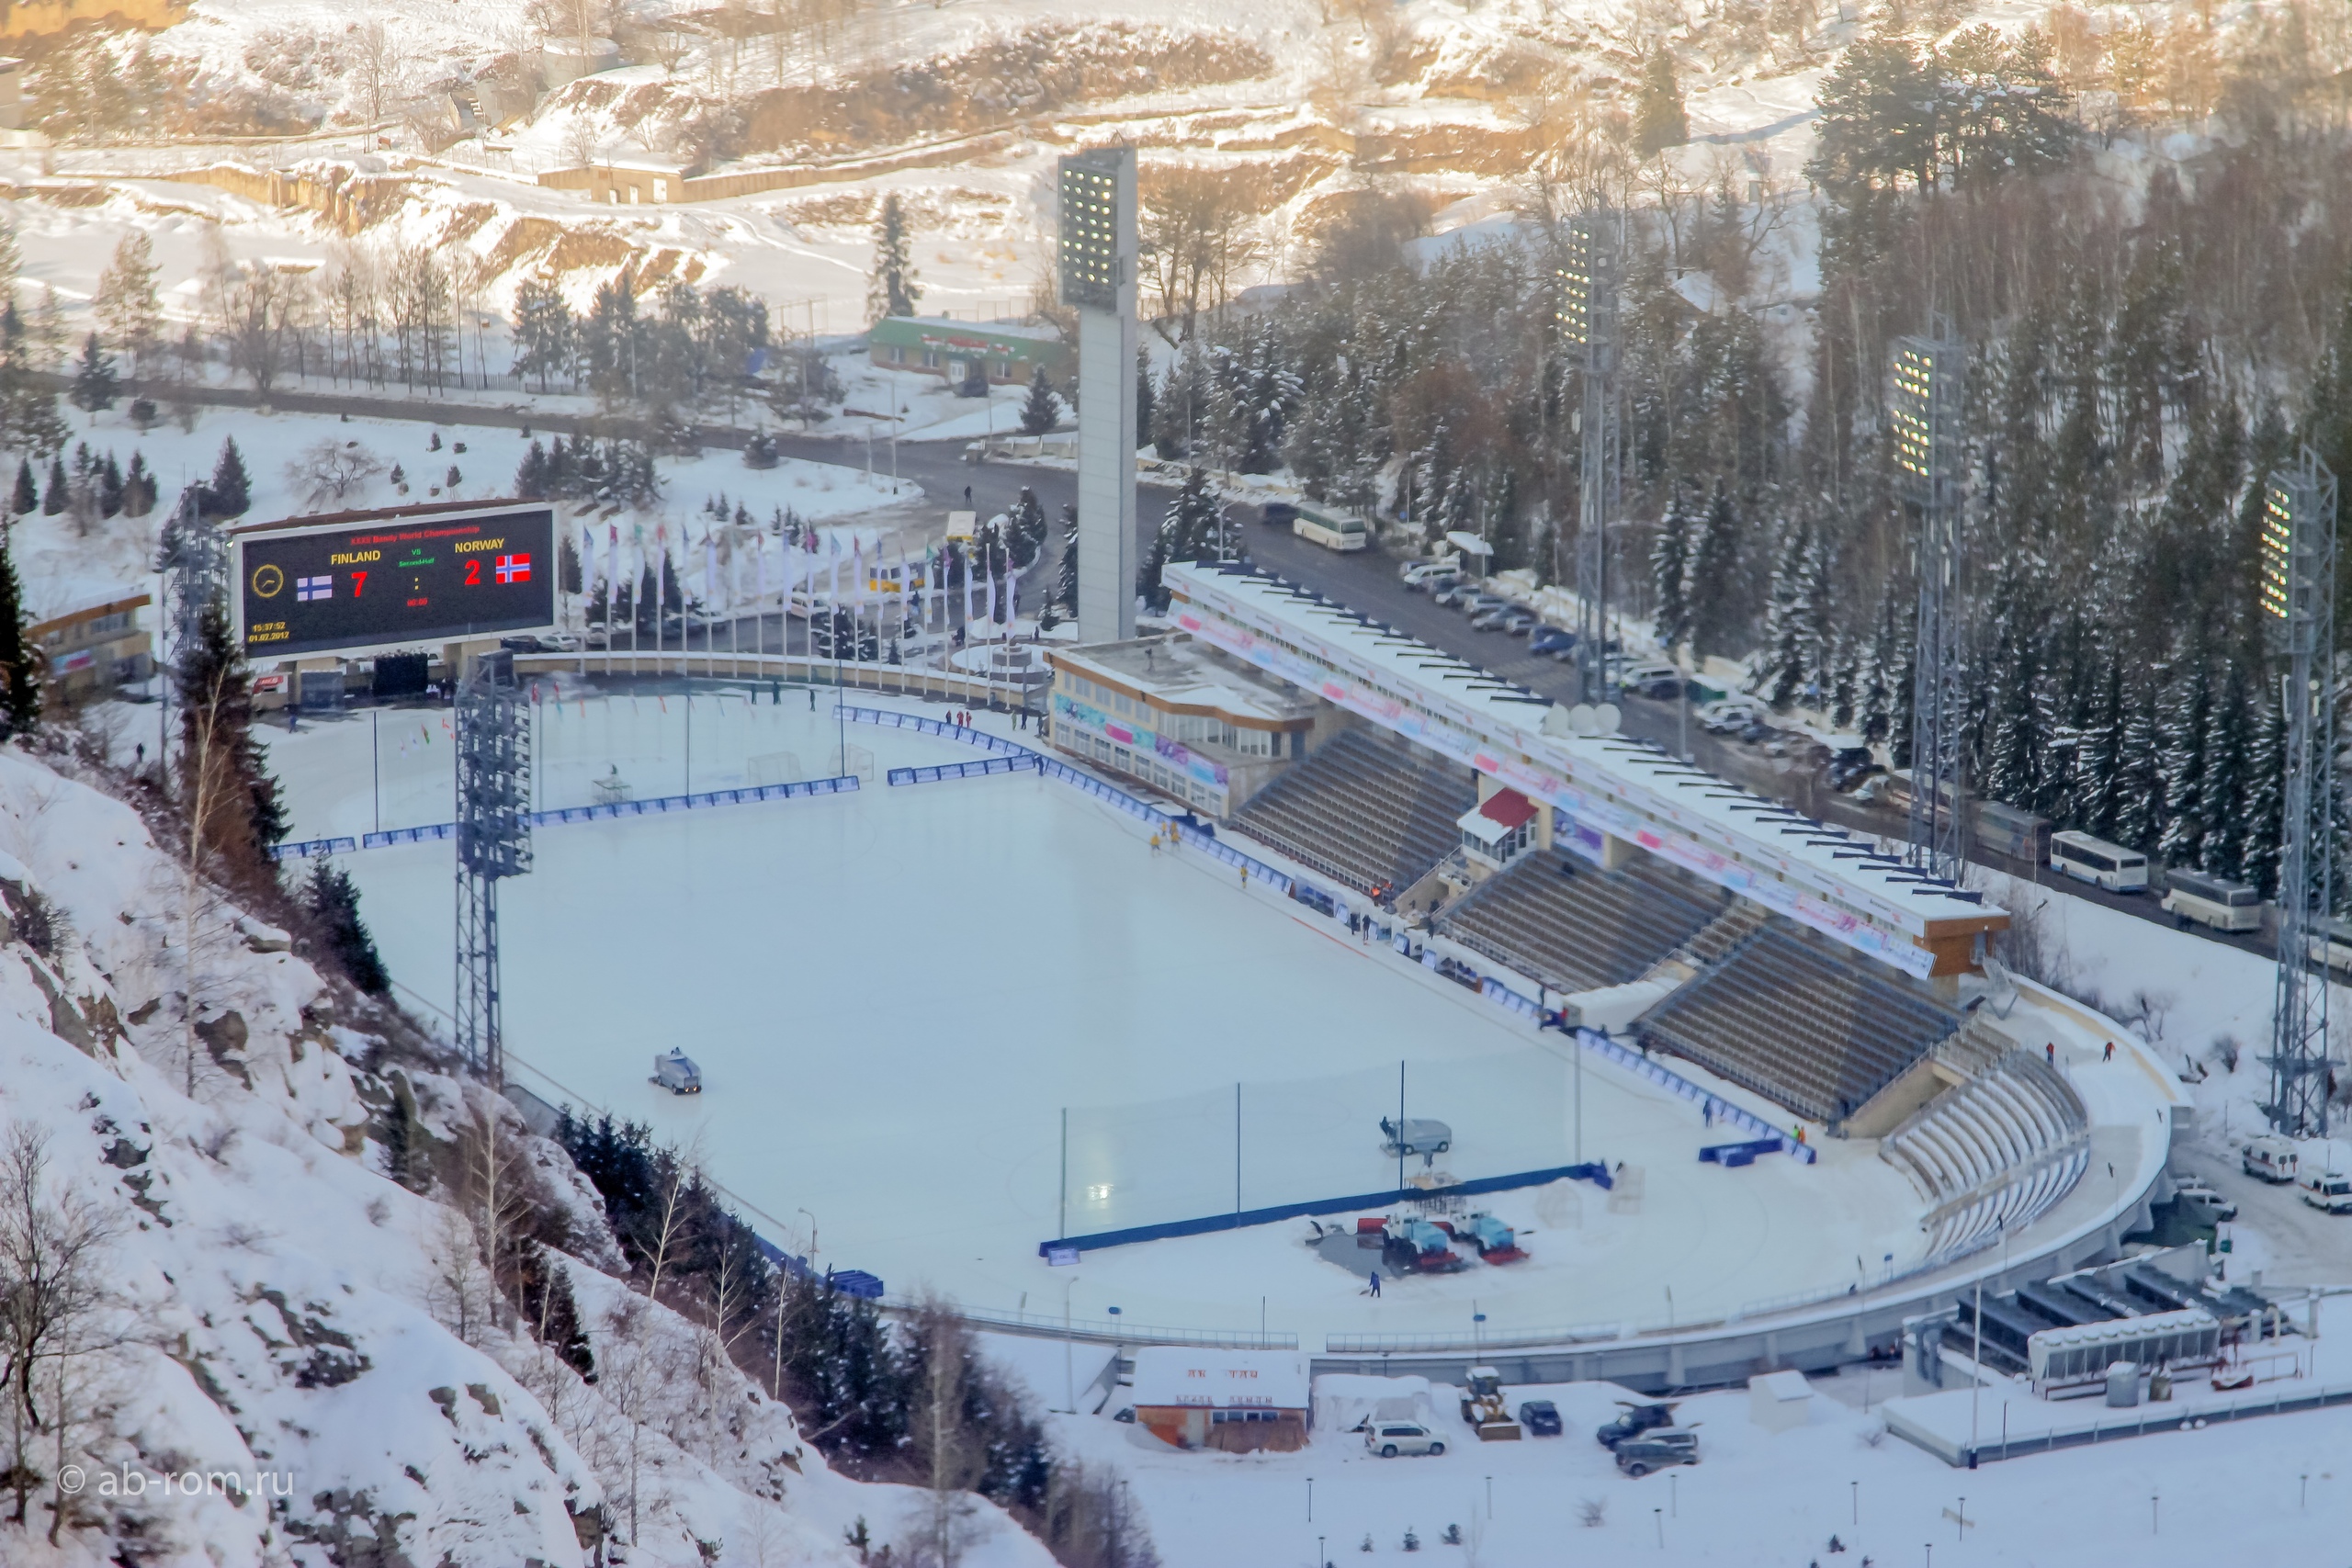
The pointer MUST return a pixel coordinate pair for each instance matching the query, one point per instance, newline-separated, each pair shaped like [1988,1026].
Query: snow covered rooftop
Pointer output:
[1177,674]
[1821,876]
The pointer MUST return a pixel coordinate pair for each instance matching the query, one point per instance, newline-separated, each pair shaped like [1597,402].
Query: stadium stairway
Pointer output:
[1996,1149]
[1575,927]
[1807,1030]
[1364,811]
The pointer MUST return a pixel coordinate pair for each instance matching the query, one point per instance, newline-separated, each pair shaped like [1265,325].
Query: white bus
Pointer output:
[1333,531]
[2331,945]
[2087,859]
[2214,901]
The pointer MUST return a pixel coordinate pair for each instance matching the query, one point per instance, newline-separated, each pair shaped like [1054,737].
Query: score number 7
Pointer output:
[358,584]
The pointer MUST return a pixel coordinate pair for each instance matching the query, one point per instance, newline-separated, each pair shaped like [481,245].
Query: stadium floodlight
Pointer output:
[1097,252]
[1587,317]
[2295,590]
[493,734]
[1927,377]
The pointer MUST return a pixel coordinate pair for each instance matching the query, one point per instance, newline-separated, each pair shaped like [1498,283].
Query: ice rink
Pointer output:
[894,996]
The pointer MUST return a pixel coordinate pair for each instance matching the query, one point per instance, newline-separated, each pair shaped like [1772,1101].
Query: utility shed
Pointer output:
[1778,1400]
[1231,1401]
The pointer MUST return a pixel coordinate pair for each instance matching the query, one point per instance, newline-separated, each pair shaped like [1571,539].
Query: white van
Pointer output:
[1332,530]
[2329,1190]
[2214,901]
[1417,573]
[2087,859]
[2269,1158]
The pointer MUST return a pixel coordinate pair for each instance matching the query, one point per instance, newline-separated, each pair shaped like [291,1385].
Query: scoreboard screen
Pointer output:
[396,580]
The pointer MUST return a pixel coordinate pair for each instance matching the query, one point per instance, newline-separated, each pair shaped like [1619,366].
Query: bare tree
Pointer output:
[377,64]
[258,311]
[127,303]
[53,1300]
[497,1194]
[950,1466]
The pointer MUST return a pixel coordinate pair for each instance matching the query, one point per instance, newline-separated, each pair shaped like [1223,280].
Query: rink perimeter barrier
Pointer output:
[1594,1172]
[1726,1114]
[1110,795]
[657,807]
[985,767]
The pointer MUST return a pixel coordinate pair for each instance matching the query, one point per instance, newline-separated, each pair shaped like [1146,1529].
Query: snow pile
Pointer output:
[276,1314]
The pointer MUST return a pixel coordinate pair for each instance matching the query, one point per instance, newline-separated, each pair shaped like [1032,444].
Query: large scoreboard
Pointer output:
[400,579]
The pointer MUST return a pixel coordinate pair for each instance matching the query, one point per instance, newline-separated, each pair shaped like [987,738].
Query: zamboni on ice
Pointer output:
[677,1072]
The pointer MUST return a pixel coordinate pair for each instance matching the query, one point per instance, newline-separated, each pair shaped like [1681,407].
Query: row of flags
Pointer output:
[801,565]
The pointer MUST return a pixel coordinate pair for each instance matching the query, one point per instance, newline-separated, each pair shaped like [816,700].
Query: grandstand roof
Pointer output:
[1820,875]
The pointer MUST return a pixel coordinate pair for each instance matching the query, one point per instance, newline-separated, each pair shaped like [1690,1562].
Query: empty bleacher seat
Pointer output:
[1812,1032]
[1364,811]
[1576,927]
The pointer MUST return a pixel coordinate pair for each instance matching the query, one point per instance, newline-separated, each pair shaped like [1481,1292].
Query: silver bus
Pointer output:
[2087,859]
[2214,901]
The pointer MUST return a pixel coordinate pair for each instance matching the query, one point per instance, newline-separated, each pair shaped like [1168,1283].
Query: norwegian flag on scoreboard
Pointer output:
[514,568]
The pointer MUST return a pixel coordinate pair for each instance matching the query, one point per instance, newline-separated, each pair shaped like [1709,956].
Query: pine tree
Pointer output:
[1066,580]
[2266,803]
[1659,119]
[545,336]
[2140,771]
[333,900]
[1026,526]
[2019,742]
[21,664]
[2228,779]
[1143,397]
[59,493]
[2187,732]
[1043,410]
[1189,532]
[1845,682]
[110,486]
[531,475]
[230,491]
[1788,632]
[28,496]
[1669,572]
[139,486]
[95,382]
[1874,709]
[222,764]
[1716,619]
[893,290]
[2094,783]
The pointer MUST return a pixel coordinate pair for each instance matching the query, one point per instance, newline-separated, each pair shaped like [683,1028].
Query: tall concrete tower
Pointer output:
[1098,278]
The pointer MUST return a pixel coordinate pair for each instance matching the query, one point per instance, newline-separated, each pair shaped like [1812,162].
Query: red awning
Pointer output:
[1508,807]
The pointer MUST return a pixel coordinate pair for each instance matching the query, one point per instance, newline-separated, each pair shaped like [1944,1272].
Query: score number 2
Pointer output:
[473,571]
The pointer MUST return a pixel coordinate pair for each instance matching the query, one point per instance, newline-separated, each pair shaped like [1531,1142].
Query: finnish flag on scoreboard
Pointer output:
[309,588]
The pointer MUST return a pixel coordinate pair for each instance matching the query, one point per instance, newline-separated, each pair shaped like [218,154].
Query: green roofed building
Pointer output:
[942,348]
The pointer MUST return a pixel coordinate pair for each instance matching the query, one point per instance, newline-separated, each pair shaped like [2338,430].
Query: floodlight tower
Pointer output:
[1587,319]
[1930,459]
[494,843]
[1098,278]
[2296,599]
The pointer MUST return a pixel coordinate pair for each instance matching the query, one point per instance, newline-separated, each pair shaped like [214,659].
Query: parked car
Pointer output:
[1633,1421]
[1518,623]
[2202,1205]
[1278,515]
[1657,1450]
[1541,1417]
[1493,617]
[1555,640]
[1454,594]
[1420,573]
[561,642]
[1754,732]
[1728,714]
[1850,766]
[1479,603]
[521,644]
[1389,1439]
[1652,678]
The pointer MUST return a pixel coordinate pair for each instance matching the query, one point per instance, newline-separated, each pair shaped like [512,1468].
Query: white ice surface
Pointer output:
[893,995]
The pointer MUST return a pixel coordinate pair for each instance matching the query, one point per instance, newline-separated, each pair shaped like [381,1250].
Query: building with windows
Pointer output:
[1180,716]
[91,651]
[935,346]
[1229,1401]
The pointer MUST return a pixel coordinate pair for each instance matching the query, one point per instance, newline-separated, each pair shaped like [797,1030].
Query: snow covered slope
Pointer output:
[280,1316]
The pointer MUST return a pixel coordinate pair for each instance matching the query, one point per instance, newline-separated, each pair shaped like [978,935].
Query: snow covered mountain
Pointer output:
[267,1345]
